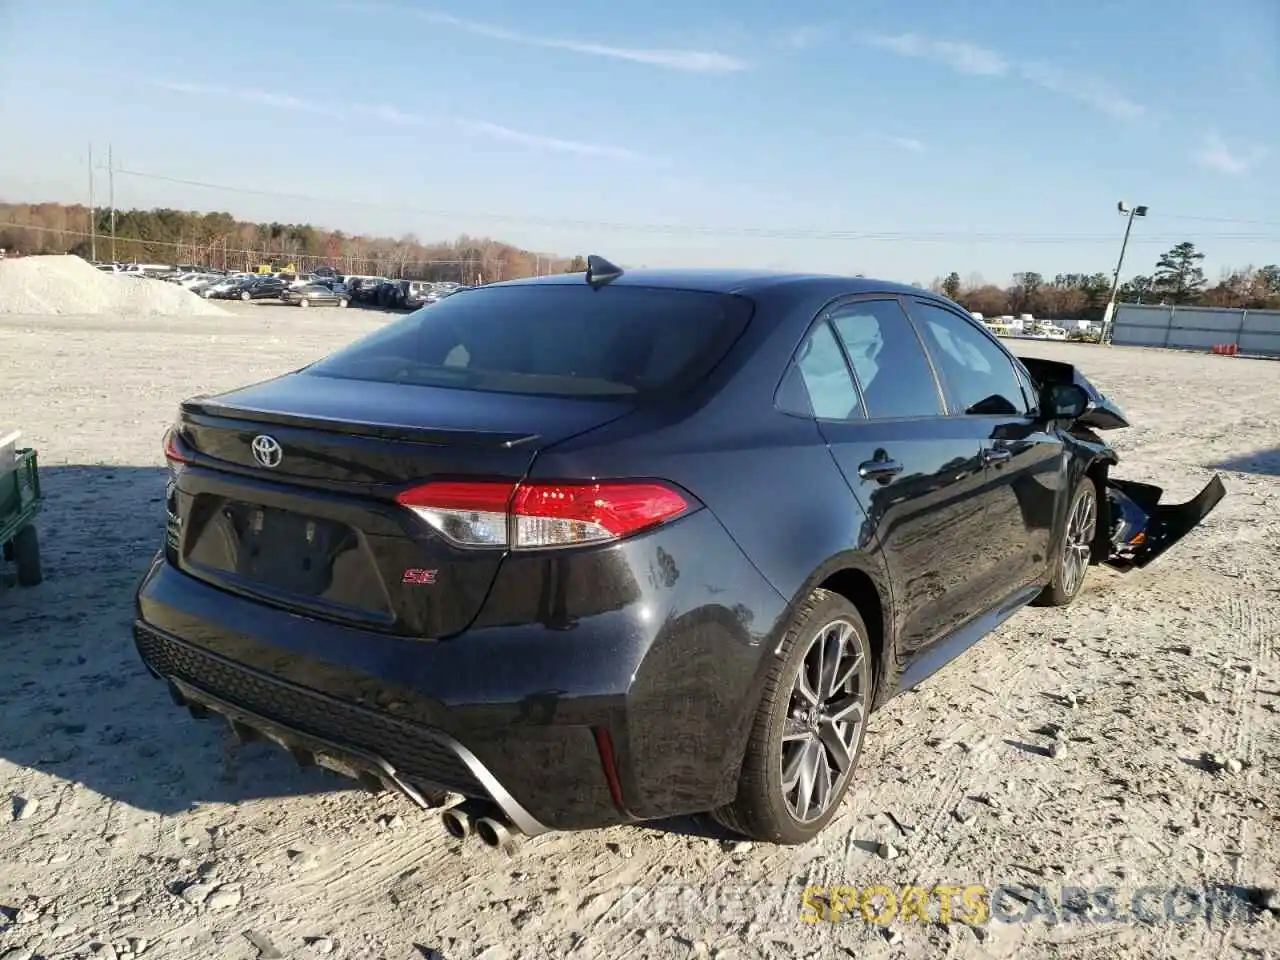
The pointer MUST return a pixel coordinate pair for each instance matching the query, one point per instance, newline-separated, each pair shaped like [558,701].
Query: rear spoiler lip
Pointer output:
[196,409]
[1173,521]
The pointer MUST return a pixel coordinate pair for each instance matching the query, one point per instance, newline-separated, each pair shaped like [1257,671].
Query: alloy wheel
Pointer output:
[1081,526]
[824,721]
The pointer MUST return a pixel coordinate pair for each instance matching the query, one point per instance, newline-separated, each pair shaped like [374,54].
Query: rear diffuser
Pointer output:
[370,770]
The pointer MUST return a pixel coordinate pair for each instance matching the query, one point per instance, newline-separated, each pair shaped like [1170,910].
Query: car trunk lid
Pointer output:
[285,491]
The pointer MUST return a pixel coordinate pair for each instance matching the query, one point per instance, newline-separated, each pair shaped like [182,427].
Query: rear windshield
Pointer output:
[557,340]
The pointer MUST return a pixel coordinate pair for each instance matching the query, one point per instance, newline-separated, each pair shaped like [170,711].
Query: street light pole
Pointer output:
[1137,211]
[111,189]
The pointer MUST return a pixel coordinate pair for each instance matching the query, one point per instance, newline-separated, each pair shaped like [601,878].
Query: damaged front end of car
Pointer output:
[1134,527]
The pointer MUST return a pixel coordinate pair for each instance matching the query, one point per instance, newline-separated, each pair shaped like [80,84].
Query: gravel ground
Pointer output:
[44,286]
[135,830]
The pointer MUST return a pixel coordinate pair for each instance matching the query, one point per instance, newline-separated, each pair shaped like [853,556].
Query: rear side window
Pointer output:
[557,340]
[892,368]
[818,381]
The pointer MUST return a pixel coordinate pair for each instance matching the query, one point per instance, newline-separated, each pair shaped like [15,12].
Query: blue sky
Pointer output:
[899,139]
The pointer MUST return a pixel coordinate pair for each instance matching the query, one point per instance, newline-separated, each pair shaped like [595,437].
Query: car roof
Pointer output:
[743,282]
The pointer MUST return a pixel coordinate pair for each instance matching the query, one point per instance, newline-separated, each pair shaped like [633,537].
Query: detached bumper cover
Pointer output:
[1142,528]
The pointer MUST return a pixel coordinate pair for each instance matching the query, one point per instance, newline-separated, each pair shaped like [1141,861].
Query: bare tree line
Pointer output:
[219,240]
[1177,278]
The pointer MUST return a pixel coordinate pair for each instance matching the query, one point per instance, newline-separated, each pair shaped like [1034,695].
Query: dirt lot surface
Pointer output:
[136,830]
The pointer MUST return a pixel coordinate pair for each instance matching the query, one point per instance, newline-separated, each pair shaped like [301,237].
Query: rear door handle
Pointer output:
[882,470]
[996,454]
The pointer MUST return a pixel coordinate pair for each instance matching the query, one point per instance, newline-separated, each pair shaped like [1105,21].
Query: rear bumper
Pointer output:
[298,719]
[657,690]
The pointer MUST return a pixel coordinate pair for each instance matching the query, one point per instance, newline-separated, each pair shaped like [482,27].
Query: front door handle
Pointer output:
[996,454]
[881,469]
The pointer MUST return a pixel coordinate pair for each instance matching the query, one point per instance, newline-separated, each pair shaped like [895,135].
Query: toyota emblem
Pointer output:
[267,450]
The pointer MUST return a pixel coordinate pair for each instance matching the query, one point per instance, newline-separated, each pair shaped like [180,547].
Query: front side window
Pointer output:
[979,377]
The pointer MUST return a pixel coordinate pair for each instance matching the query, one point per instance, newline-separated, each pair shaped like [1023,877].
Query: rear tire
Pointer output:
[304,303]
[1074,550]
[808,729]
[26,553]
[341,303]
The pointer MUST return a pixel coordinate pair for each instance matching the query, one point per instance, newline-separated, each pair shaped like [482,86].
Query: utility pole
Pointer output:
[93,220]
[1115,280]
[111,190]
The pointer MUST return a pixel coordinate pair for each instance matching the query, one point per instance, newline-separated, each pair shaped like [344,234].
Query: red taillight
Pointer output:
[532,516]
[552,515]
[172,451]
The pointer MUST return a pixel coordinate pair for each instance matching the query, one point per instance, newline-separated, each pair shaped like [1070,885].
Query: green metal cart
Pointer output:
[19,504]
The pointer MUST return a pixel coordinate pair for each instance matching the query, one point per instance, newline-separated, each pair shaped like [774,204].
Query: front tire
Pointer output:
[245,296]
[304,303]
[809,727]
[1075,547]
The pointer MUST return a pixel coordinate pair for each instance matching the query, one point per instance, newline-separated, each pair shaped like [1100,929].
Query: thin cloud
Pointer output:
[266,98]
[281,100]
[975,60]
[962,57]
[804,37]
[689,61]
[1214,154]
[193,88]
[389,114]
[393,115]
[496,131]
[907,143]
[1087,90]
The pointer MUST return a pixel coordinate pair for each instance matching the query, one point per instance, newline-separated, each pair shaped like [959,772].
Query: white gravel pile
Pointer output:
[68,285]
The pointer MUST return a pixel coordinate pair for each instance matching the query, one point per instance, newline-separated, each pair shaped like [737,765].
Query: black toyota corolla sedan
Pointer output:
[585,550]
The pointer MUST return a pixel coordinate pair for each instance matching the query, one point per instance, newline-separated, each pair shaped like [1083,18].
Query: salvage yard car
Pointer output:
[601,549]
[314,294]
[261,288]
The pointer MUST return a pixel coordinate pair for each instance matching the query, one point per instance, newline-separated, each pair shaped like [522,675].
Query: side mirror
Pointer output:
[1064,401]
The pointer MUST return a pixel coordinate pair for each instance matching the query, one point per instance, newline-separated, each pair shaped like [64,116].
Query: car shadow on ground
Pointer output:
[77,703]
[1265,463]
[274,304]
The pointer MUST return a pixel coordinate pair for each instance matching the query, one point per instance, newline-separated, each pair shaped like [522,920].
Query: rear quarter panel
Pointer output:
[771,482]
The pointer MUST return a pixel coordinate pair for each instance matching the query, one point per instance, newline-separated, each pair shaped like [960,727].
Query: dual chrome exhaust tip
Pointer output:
[474,818]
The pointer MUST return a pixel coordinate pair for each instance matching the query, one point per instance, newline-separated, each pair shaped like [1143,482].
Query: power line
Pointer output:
[1184,216]
[966,236]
